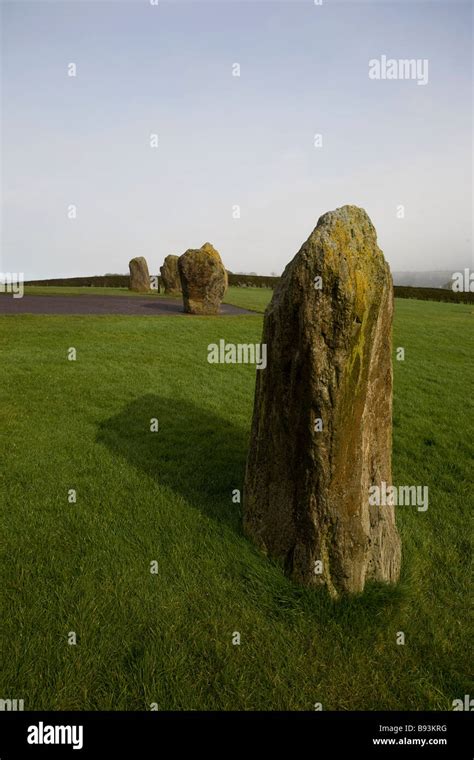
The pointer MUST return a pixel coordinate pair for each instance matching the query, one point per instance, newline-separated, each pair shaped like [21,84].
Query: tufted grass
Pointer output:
[141,496]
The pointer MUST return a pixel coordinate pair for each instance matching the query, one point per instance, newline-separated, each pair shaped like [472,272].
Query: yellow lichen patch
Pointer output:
[357,354]
[209,248]
[362,313]
[361,288]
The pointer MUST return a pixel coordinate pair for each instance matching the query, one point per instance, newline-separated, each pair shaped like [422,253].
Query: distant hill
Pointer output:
[440,278]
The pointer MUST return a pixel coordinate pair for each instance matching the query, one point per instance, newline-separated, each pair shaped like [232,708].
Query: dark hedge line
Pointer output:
[432,294]
[108,281]
[249,280]
[252,281]
[121,281]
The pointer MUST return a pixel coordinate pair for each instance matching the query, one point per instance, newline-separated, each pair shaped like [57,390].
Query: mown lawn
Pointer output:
[166,638]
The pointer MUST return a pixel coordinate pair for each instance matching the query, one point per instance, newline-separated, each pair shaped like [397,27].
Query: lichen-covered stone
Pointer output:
[139,275]
[203,280]
[306,498]
[209,248]
[170,275]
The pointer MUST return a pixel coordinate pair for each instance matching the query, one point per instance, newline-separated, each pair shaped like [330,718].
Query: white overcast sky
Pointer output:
[226,140]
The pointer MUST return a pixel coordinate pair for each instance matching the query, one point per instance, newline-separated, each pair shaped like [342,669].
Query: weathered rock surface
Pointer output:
[170,275]
[306,498]
[139,275]
[203,280]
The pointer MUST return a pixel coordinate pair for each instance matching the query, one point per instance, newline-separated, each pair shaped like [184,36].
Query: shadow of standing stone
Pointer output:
[195,453]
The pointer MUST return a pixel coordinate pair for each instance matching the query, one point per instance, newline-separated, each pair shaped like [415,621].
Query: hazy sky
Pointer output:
[225,140]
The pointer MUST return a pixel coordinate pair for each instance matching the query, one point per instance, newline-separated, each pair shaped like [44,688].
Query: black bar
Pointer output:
[165,734]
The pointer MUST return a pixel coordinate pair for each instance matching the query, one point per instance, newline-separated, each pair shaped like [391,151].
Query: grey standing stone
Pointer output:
[203,280]
[139,275]
[306,496]
[170,275]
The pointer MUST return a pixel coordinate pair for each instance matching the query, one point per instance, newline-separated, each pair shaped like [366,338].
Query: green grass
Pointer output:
[166,496]
[254,299]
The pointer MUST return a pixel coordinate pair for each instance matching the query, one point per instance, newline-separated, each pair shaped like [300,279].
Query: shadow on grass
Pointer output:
[195,453]
[201,457]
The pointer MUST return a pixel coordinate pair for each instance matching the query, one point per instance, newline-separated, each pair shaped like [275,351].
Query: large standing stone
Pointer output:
[306,498]
[203,280]
[170,275]
[139,275]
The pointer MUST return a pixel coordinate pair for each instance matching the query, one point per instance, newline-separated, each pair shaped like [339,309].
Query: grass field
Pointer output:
[166,638]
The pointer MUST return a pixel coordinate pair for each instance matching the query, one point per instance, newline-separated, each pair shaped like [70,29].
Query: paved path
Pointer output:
[95,304]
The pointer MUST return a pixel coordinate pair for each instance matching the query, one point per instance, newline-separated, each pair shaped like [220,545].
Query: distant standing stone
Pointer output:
[322,423]
[170,275]
[203,280]
[139,275]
